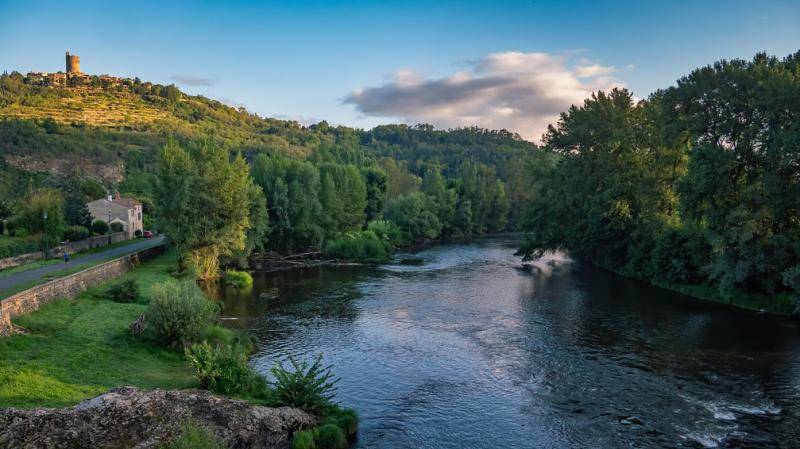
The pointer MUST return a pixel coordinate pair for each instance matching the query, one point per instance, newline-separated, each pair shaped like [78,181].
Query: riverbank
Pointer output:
[80,348]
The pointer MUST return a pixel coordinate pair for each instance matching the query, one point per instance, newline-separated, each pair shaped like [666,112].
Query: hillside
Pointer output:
[113,130]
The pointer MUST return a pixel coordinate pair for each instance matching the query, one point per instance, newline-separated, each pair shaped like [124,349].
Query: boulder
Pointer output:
[128,418]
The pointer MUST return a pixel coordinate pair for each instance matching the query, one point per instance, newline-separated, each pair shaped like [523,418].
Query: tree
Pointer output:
[38,204]
[202,203]
[343,198]
[376,181]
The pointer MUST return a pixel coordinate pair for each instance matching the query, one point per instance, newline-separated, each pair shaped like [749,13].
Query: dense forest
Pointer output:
[354,194]
[699,184]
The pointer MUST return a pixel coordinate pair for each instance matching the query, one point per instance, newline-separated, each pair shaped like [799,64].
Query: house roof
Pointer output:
[128,203]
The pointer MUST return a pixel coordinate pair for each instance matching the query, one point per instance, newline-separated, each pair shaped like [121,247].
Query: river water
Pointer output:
[467,350]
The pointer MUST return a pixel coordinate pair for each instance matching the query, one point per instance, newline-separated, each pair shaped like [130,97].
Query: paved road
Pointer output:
[26,276]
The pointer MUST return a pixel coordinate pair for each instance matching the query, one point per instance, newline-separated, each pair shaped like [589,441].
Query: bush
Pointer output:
[330,436]
[75,234]
[362,246]
[100,227]
[238,279]
[14,246]
[124,291]
[304,440]
[386,231]
[224,369]
[346,419]
[179,312]
[117,227]
[137,233]
[194,437]
[308,387]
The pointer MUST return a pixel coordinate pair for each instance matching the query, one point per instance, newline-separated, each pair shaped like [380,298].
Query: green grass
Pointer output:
[77,349]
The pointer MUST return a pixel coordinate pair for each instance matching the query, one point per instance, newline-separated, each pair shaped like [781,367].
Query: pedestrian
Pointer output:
[66,256]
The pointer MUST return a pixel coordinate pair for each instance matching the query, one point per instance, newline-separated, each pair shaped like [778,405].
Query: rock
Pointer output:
[126,417]
[628,420]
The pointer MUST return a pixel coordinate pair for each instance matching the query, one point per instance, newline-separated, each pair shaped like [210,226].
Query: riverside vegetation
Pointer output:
[181,347]
[696,188]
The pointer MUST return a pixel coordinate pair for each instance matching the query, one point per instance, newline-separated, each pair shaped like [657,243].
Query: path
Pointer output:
[12,280]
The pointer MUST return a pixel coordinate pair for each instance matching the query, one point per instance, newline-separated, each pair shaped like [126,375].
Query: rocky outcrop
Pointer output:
[134,419]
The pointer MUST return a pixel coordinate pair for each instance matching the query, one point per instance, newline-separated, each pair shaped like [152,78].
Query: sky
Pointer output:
[494,64]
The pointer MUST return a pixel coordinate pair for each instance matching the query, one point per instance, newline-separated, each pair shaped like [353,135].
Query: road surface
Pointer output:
[22,277]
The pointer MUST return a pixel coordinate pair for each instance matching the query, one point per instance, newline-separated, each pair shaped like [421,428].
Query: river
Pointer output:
[468,351]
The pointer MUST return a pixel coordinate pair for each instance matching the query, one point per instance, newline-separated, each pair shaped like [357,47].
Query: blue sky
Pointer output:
[362,63]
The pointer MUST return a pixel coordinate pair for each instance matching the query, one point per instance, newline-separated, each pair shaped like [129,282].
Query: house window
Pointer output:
[140,216]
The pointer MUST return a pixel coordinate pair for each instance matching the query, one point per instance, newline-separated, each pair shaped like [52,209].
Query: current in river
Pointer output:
[465,349]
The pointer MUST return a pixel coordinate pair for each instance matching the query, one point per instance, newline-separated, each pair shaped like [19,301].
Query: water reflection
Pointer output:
[467,350]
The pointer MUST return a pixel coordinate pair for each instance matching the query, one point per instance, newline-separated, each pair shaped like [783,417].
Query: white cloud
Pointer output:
[521,92]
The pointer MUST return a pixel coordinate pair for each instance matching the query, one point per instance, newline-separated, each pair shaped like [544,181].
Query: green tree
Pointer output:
[202,203]
[38,204]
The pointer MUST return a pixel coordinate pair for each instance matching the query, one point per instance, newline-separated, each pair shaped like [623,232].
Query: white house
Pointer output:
[116,209]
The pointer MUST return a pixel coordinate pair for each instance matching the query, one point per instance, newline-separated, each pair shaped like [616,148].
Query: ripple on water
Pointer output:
[465,351]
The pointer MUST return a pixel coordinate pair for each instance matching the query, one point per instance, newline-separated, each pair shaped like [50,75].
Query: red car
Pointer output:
[147,234]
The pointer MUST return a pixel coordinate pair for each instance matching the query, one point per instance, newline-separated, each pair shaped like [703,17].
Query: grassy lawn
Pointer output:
[77,349]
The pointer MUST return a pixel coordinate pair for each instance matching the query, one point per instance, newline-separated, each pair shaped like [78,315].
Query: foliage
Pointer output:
[116,227]
[362,246]
[14,246]
[223,369]
[330,436]
[416,215]
[35,206]
[179,312]
[100,227]
[697,184]
[193,436]
[201,200]
[304,440]
[386,231]
[126,290]
[75,233]
[308,386]
[238,279]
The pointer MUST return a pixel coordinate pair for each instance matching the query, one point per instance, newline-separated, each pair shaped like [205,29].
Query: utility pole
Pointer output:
[45,235]
[109,226]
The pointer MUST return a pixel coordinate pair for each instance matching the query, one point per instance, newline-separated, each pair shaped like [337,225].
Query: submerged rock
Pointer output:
[130,418]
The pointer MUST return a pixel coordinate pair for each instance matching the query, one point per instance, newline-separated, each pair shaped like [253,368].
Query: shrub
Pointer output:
[224,369]
[330,436]
[387,231]
[310,387]
[75,233]
[304,440]
[123,291]
[14,246]
[346,419]
[362,246]
[100,227]
[193,436]
[137,233]
[117,227]
[179,312]
[238,279]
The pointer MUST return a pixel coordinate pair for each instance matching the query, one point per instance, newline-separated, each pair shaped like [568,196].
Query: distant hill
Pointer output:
[113,130]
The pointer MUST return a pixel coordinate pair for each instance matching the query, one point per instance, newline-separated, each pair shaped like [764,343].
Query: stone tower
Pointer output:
[73,63]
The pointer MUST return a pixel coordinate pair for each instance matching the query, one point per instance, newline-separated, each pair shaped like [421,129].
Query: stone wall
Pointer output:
[72,247]
[67,287]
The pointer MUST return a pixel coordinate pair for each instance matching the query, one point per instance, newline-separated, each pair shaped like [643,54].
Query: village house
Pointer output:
[115,209]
